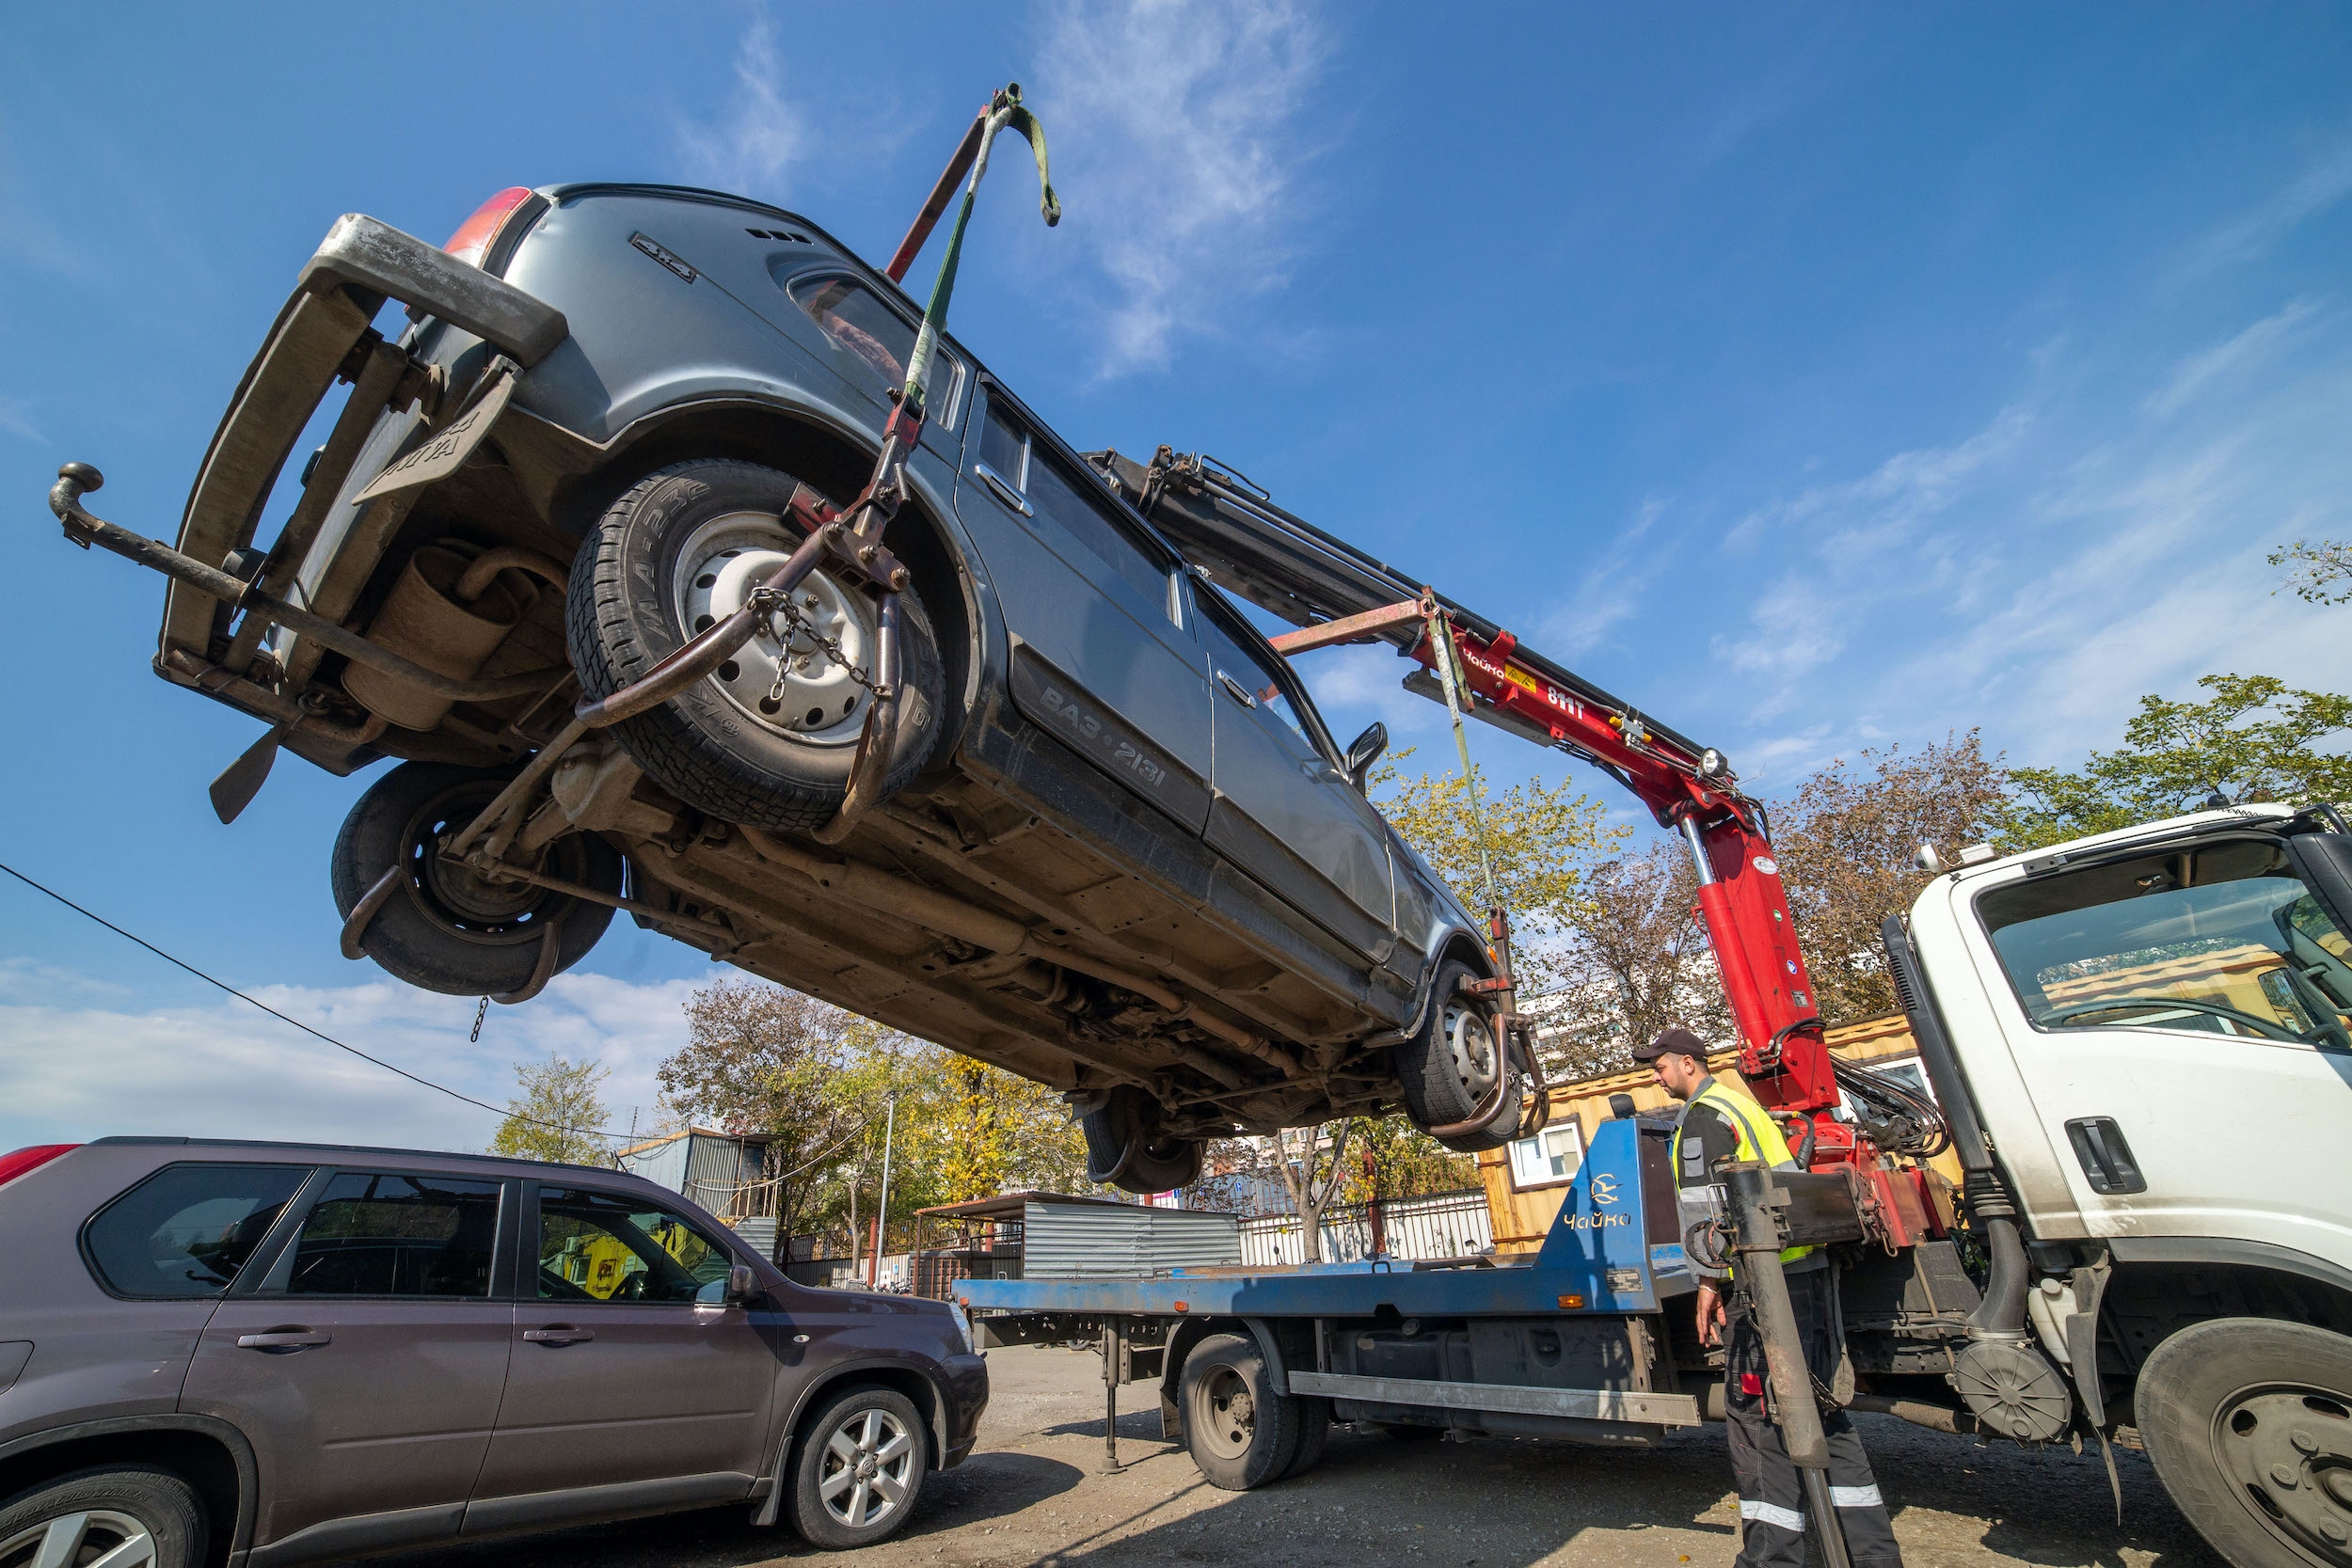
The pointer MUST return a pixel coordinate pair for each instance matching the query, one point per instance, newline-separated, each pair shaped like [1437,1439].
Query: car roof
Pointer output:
[326,1148]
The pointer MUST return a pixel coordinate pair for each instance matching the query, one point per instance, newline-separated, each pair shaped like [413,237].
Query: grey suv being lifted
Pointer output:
[1118,851]
[265,1353]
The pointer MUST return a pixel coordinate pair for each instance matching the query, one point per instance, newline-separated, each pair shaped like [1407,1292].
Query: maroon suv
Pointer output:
[261,1354]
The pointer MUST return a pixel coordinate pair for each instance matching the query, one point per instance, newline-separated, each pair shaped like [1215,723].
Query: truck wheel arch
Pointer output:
[2165,1283]
[906,1378]
[209,1453]
[1189,1332]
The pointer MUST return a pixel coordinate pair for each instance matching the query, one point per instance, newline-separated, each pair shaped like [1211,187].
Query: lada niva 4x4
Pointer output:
[1117,852]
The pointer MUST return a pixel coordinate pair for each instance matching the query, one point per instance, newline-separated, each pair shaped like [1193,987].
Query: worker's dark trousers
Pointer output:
[1771,1499]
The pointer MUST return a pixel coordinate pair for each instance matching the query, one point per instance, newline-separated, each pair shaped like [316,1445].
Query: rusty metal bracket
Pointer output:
[363,913]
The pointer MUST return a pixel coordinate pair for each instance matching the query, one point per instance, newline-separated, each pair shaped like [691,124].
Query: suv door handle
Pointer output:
[283,1339]
[1235,690]
[2107,1159]
[559,1334]
[1004,492]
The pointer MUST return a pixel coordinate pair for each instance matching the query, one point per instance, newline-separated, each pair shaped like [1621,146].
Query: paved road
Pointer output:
[1032,1497]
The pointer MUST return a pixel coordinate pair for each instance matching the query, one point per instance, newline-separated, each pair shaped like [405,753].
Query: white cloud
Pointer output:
[2322,182]
[1186,134]
[754,143]
[2243,352]
[82,1069]
[13,420]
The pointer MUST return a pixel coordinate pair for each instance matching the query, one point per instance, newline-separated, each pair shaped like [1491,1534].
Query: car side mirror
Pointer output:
[742,1286]
[1363,752]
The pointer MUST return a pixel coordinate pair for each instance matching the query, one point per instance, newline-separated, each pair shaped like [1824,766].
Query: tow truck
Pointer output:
[2139,1051]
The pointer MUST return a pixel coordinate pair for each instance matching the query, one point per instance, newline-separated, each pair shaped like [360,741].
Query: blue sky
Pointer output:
[1817,378]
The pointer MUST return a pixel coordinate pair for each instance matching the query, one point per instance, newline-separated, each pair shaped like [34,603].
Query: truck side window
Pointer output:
[2221,939]
[848,312]
[1069,505]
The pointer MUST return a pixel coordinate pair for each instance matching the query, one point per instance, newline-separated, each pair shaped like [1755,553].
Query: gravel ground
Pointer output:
[1033,1496]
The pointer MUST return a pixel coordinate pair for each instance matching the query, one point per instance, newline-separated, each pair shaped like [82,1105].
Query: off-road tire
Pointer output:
[806,1503]
[1237,1451]
[1164,1163]
[1441,1088]
[2250,1423]
[621,618]
[442,930]
[118,1500]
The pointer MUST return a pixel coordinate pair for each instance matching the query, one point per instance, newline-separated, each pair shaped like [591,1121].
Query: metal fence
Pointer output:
[1442,1225]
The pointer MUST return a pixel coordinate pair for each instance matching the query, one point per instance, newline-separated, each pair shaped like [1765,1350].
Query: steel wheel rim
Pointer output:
[2286,1449]
[1471,1042]
[81,1540]
[867,1468]
[719,566]
[460,900]
[1224,1412]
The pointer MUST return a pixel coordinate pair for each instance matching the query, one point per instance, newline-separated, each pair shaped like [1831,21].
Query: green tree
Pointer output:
[1848,842]
[2254,738]
[1638,964]
[1396,1160]
[557,1114]
[2320,565]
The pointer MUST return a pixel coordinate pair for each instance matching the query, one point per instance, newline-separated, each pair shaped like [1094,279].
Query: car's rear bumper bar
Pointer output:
[360,264]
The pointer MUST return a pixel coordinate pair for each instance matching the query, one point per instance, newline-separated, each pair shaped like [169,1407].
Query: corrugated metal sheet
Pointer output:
[1073,1241]
[759,1234]
[717,1168]
[663,1163]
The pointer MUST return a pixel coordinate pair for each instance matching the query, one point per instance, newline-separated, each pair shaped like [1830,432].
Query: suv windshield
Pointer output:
[2220,938]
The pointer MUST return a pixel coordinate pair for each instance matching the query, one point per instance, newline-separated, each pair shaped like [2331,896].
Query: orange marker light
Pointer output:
[1571,1304]
[1184,1307]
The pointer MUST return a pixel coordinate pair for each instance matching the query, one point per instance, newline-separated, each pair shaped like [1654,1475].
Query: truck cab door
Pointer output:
[2178,1019]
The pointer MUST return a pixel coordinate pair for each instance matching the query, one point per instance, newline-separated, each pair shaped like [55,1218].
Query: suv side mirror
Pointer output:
[742,1286]
[1363,752]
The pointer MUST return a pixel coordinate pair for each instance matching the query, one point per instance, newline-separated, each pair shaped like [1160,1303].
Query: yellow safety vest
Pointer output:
[1759,1140]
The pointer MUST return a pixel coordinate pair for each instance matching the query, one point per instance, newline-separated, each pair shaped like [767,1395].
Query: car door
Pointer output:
[629,1367]
[1282,810]
[366,1365]
[2162,1014]
[1102,656]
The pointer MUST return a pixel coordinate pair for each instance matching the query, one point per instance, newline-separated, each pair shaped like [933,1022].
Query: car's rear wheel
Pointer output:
[445,927]
[1125,1148]
[134,1516]
[769,739]
[1450,1066]
[862,1462]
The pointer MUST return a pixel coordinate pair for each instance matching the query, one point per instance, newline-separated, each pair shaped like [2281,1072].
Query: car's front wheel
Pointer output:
[134,1516]
[861,1469]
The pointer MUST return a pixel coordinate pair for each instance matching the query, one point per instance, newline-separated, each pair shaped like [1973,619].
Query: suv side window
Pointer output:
[381,1233]
[187,1230]
[1064,506]
[604,1246]
[856,322]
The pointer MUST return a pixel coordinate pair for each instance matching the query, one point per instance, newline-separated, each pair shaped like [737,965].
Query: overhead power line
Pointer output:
[315,1034]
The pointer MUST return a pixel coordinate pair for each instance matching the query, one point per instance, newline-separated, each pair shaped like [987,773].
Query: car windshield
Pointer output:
[2220,938]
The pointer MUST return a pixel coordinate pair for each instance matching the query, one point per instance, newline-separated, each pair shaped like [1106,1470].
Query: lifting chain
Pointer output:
[479,1014]
[782,602]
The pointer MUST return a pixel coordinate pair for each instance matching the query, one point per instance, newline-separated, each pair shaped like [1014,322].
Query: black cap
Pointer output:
[1680,1041]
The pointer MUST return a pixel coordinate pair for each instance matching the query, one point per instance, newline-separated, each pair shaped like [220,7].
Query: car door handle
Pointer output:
[1235,690]
[1004,492]
[283,1339]
[2107,1159]
[560,1334]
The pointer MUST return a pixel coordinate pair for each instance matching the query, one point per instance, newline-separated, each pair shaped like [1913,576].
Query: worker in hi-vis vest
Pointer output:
[1720,1123]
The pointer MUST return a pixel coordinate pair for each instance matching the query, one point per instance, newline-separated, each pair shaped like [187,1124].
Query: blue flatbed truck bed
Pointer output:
[1572,1342]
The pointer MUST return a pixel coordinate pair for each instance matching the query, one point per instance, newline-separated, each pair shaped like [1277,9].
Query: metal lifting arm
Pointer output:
[1336,594]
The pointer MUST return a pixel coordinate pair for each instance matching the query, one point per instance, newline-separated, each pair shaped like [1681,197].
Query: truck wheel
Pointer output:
[768,739]
[860,1469]
[1449,1066]
[1125,1148]
[1315,1433]
[445,928]
[135,1514]
[1241,1433]
[2250,1423]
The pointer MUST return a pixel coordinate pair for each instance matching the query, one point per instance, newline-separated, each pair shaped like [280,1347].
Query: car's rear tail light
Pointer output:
[477,237]
[16,1164]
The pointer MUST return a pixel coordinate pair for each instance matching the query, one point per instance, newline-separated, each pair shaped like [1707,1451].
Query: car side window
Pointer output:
[1254,671]
[382,1233]
[849,314]
[605,1246]
[1064,505]
[187,1230]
